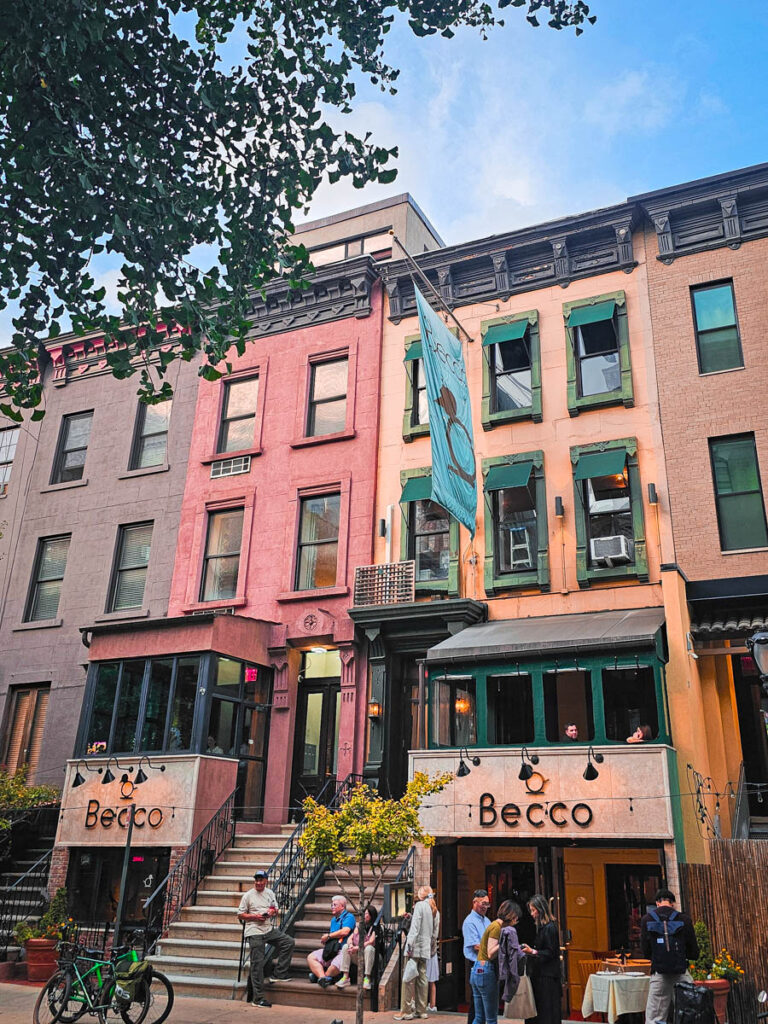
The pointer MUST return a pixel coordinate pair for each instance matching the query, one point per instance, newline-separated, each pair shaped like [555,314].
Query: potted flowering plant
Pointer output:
[40,938]
[714,972]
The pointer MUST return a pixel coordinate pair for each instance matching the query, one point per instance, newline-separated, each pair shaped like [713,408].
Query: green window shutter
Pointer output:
[505,332]
[592,314]
[414,352]
[418,488]
[516,475]
[609,463]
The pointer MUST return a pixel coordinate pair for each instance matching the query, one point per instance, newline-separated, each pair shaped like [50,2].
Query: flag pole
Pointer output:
[412,262]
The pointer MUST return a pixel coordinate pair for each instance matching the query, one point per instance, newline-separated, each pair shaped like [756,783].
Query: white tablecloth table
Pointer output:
[615,994]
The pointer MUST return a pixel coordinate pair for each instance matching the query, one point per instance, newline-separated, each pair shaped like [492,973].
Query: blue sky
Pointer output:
[535,124]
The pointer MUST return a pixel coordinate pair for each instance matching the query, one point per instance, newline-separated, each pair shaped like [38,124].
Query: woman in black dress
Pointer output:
[544,962]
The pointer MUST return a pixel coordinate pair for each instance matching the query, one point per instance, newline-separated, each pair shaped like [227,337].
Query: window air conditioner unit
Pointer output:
[611,550]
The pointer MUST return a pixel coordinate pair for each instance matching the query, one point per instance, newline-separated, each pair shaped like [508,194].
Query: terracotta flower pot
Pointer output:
[720,987]
[41,958]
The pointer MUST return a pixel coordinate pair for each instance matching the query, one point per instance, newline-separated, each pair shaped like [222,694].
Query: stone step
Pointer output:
[206,988]
[197,966]
[239,868]
[218,898]
[294,992]
[217,930]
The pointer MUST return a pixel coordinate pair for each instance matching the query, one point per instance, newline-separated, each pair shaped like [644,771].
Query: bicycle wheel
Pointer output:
[158,1002]
[52,999]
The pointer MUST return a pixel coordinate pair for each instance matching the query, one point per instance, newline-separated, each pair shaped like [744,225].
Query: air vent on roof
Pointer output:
[231,467]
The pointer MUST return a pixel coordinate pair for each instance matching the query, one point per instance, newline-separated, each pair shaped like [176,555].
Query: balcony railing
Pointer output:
[391,583]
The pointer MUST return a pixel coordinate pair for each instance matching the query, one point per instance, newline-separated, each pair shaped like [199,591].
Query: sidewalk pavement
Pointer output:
[17,1002]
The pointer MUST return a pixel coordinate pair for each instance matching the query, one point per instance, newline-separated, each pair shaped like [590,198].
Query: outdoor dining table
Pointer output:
[615,994]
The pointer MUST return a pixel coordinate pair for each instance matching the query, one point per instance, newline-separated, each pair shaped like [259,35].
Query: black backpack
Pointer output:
[668,953]
[694,1004]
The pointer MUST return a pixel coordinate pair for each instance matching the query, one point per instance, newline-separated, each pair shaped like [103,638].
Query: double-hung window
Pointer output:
[610,536]
[416,418]
[222,555]
[515,523]
[238,415]
[75,433]
[599,371]
[131,562]
[151,441]
[738,492]
[511,370]
[327,412]
[8,441]
[430,537]
[45,591]
[318,548]
[718,345]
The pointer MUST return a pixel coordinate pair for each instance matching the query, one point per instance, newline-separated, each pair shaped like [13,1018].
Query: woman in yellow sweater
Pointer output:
[484,979]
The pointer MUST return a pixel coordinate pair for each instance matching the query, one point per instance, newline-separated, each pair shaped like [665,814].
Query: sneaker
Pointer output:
[325,982]
[261,1002]
[367,983]
[343,982]
[313,979]
[405,1016]
[432,1009]
[271,980]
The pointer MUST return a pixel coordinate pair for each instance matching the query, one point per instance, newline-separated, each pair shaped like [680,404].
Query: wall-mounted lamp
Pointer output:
[590,772]
[559,510]
[140,775]
[108,777]
[375,709]
[653,498]
[80,779]
[463,770]
[526,771]
[382,527]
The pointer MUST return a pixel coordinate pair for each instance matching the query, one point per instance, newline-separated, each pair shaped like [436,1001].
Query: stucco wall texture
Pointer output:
[696,407]
[91,510]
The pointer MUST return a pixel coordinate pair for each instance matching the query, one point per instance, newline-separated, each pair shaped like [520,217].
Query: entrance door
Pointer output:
[317,738]
[752,707]
[517,882]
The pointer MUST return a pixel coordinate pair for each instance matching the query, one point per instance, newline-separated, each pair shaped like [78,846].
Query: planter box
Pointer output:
[41,959]
[719,987]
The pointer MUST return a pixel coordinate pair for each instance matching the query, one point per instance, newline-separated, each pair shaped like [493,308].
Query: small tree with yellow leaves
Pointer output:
[367,831]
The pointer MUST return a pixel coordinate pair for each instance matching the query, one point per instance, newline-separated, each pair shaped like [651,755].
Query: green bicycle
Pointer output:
[86,982]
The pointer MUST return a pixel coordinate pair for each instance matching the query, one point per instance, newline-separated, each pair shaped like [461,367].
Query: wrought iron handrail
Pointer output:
[181,883]
[295,874]
[741,815]
[17,898]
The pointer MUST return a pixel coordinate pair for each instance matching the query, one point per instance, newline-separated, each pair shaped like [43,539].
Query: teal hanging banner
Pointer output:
[454,483]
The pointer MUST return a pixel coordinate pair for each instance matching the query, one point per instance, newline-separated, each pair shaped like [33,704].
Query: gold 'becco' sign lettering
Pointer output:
[559,813]
[107,816]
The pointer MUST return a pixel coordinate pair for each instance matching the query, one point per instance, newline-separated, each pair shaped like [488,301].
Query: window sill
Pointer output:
[743,551]
[145,471]
[127,613]
[617,572]
[524,581]
[601,402]
[65,486]
[497,419]
[312,595]
[306,442]
[716,373]
[221,456]
[433,587]
[39,624]
[418,430]
[210,606]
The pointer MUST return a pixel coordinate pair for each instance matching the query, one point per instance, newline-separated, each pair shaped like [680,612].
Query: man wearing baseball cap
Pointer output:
[258,911]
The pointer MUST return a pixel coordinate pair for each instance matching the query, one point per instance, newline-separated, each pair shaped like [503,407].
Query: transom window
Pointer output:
[222,555]
[8,441]
[238,415]
[318,542]
[133,547]
[50,565]
[738,492]
[151,445]
[328,397]
[73,446]
[717,332]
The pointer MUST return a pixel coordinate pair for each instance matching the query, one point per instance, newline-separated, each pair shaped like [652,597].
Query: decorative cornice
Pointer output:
[334,292]
[709,213]
[74,357]
[519,261]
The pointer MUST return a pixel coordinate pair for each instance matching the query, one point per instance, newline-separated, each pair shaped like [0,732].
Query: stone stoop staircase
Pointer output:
[200,953]
[27,897]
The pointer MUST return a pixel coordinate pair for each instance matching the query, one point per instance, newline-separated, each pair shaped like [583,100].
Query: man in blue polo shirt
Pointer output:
[325,963]
[472,930]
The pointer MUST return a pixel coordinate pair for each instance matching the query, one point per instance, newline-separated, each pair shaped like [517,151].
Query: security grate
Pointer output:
[393,583]
[231,467]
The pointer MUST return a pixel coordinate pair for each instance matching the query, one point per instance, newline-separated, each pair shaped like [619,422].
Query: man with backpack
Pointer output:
[668,940]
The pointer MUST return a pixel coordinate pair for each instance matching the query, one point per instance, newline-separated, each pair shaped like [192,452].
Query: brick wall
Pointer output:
[695,407]
[59,868]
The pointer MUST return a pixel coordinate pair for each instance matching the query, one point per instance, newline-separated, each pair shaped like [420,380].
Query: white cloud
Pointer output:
[637,101]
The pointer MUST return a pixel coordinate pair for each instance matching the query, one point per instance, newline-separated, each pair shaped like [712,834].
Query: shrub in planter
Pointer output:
[40,939]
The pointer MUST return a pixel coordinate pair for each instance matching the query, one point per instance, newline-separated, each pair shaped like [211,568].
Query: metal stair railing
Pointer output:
[181,883]
[14,906]
[297,875]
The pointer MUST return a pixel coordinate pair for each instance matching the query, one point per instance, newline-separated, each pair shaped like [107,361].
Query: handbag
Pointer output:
[522,1005]
[331,948]
[411,971]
